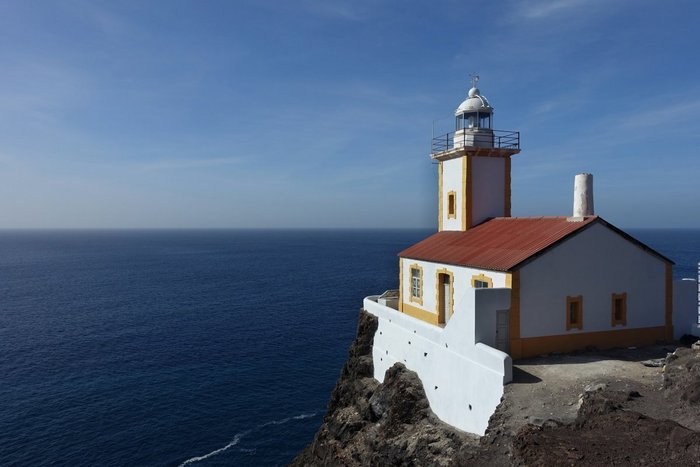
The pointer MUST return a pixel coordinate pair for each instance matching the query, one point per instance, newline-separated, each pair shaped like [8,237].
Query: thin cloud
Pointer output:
[100,17]
[547,9]
[336,9]
[659,115]
[179,164]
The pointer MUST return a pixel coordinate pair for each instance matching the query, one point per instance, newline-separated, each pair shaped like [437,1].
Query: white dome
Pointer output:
[474,102]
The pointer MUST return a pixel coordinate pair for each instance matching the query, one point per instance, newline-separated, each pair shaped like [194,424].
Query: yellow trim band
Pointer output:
[533,346]
[418,313]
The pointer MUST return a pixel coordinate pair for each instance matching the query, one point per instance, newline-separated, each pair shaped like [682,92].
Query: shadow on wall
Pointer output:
[685,308]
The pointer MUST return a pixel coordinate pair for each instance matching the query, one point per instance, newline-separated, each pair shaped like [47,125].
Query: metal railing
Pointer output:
[500,139]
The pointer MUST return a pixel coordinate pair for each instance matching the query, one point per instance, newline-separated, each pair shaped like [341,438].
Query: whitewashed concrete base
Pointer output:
[463,380]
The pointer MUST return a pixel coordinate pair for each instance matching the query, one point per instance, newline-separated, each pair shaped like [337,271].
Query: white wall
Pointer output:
[594,263]
[685,308]
[463,380]
[462,282]
[488,188]
[452,181]
[488,302]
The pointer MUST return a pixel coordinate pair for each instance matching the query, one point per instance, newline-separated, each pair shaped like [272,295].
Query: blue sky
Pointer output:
[316,113]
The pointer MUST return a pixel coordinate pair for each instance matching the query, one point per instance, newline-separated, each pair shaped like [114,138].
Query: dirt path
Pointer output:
[550,387]
[598,408]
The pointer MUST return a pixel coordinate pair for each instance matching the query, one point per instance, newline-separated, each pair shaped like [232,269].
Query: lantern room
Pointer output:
[474,133]
[474,112]
[473,120]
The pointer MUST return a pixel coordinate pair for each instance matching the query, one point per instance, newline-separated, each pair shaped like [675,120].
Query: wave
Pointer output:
[236,439]
[285,420]
[238,436]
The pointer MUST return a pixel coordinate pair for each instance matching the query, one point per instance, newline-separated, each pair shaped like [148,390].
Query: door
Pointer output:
[444,295]
[502,330]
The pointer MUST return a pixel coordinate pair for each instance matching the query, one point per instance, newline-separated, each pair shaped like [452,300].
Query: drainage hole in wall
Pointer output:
[425,354]
[409,342]
[470,406]
[387,352]
[381,359]
[380,333]
[436,388]
[445,344]
[414,331]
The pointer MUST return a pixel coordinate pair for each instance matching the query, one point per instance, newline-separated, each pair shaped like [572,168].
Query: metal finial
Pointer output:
[475,79]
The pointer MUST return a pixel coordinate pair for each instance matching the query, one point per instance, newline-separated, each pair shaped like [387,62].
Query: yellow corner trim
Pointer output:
[507,194]
[514,322]
[467,190]
[401,284]
[440,165]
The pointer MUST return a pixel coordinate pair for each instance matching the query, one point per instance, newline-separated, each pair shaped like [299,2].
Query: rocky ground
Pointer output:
[617,407]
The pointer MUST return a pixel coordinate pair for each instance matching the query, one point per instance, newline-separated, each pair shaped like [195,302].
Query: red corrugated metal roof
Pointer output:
[498,244]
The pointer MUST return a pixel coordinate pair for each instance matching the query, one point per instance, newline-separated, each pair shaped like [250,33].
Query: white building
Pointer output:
[488,287]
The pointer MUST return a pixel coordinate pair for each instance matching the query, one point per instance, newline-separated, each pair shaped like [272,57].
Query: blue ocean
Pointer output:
[189,347]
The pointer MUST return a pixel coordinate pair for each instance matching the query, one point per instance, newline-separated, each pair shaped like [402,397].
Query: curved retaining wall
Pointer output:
[463,380]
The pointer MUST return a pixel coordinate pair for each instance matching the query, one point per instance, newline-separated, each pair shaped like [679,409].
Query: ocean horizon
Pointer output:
[197,347]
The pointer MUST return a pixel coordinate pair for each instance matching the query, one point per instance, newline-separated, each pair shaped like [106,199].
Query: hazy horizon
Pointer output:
[319,114]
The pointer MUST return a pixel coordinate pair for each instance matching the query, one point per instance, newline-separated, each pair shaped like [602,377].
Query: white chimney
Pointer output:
[583,195]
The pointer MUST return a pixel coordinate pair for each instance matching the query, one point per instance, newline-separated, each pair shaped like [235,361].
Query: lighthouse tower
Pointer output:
[473,166]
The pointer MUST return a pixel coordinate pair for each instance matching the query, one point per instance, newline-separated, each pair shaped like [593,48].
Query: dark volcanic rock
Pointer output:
[604,434]
[368,423]
[682,375]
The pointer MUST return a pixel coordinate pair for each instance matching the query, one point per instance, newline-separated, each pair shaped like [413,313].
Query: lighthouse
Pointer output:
[488,288]
[473,165]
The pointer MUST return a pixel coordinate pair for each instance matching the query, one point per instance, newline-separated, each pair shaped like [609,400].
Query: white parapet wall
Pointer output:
[463,379]
[685,308]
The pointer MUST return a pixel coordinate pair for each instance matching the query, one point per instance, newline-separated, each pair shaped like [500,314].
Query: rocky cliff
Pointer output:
[368,423]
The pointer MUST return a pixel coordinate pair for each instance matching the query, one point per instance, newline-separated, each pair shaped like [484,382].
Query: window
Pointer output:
[416,286]
[467,120]
[485,120]
[574,313]
[451,205]
[482,281]
[619,309]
